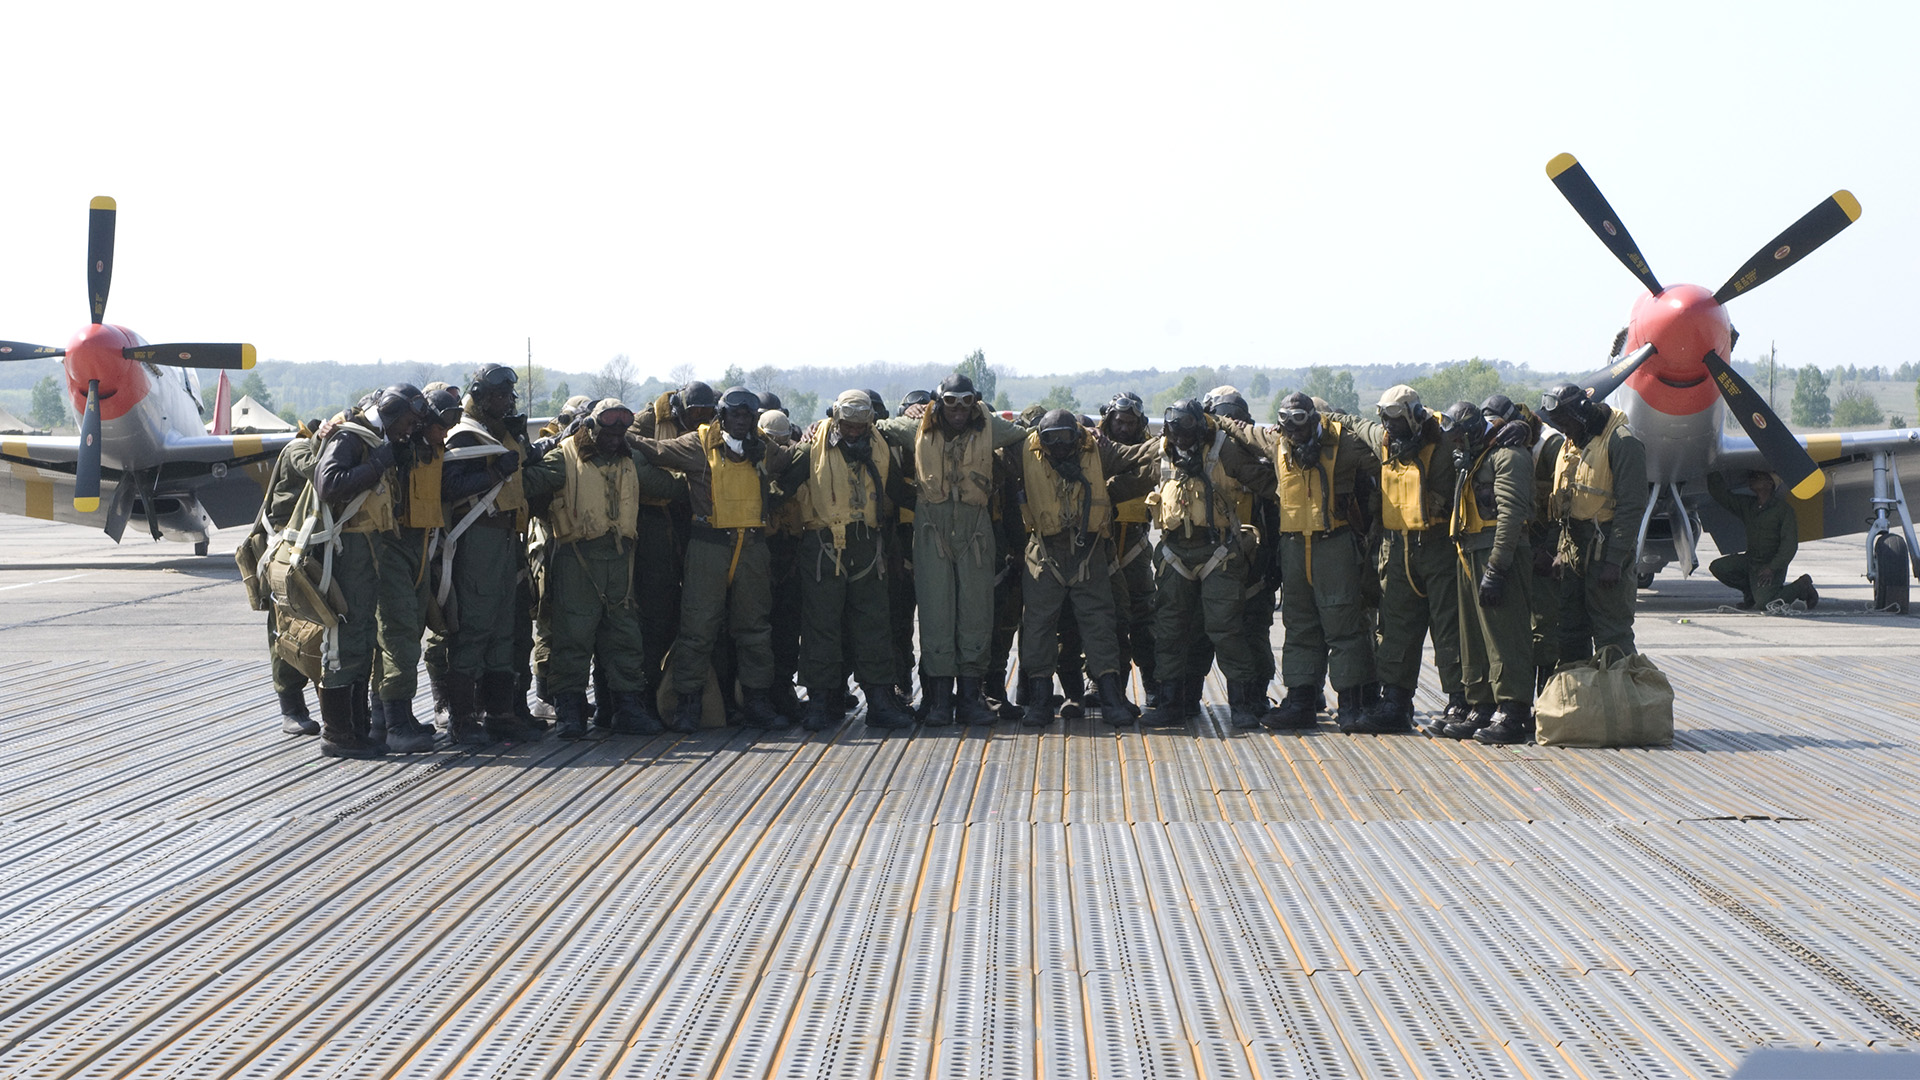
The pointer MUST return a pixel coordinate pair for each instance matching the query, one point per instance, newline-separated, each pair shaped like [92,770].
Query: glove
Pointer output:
[382,456]
[505,465]
[543,447]
[1493,586]
[517,424]
[1763,577]
[1609,573]
[755,448]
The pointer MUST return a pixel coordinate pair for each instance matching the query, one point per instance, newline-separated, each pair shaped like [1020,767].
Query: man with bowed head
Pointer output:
[1599,494]
[949,448]
[728,577]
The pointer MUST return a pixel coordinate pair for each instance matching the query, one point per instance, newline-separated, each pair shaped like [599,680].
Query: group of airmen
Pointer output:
[702,560]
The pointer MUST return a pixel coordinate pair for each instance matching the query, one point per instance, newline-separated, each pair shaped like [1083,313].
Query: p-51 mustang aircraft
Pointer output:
[141,445]
[1670,375]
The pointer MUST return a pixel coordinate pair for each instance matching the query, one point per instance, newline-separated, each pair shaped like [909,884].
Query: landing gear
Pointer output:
[1890,577]
[200,547]
[1890,546]
[1646,581]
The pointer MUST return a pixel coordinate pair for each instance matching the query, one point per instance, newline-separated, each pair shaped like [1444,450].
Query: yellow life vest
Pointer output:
[958,468]
[423,495]
[1306,501]
[737,502]
[1466,511]
[598,497]
[512,497]
[1403,494]
[1054,503]
[838,494]
[376,510]
[1583,478]
[1180,502]
[1132,512]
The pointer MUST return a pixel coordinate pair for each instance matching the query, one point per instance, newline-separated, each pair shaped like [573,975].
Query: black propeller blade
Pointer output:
[1784,452]
[1571,178]
[1605,381]
[100,219]
[1821,224]
[20,350]
[86,473]
[234,357]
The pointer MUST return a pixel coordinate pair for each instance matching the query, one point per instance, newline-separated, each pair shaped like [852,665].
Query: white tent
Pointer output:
[249,415]
[13,425]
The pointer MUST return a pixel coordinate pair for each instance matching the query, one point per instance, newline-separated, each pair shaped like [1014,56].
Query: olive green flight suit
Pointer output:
[1496,644]
[1773,539]
[1322,592]
[954,560]
[1417,568]
[1593,613]
[1210,605]
[486,566]
[1544,534]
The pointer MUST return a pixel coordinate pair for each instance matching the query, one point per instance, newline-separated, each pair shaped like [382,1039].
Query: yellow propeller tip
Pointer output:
[1560,163]
[101,202]
[1848,204]
[1811,486]
[86,506]
[248,356]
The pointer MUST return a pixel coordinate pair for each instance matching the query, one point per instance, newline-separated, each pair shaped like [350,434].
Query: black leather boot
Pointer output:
[1478,716]
[883,711]
[1154,691]
[937,691]
[1166,712]
[785,699]
[338,738]
[1512,723]
[405,735]
[758,709]
[1246,702]
[686,719]
[1353,709]
[1391,715]
[570,716]
[822,711]
[1191,689]
[970,705]
[498,715]
[437,681]
[1038,694]
[1114,706]
[532,721]
[1296,711]
[463,712]
[364,704]
[633,714]
[294,717]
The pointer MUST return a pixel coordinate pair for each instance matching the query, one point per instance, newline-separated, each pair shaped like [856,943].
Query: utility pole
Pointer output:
[1773,363]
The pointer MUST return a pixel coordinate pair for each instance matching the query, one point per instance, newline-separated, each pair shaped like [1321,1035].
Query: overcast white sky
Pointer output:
[1066,186]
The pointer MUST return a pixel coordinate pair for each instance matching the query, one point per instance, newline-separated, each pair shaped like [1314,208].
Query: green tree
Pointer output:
[1188,387]
[255,387]
[1002,403]
[48,409]
[1810,407]
[731,378]
[975,367]
[558,400]
[290,416]
[802,405]
[1259,387]
[1061,397]
[1475,381]
[616,379]
[1854,407]
[1336,387]
[762,378]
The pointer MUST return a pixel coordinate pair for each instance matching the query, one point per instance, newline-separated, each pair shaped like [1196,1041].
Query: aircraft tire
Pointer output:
[1891,576]
[1646,581]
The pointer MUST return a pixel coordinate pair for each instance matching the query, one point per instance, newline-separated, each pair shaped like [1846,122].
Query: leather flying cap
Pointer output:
[854,407]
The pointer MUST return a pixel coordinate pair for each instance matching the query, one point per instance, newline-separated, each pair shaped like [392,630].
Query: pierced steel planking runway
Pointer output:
[188,893]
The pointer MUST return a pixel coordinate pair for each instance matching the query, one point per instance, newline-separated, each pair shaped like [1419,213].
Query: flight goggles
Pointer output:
[1125,403]
[1060,436]
[1550,402]
[958,399]
[1294,417]
[495,378]
[1393,411]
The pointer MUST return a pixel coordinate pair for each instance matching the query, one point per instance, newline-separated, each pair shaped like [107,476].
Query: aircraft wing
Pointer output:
[226,474]
[1843,508]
